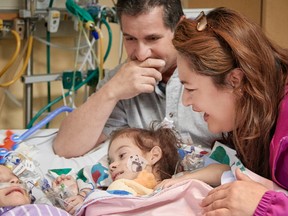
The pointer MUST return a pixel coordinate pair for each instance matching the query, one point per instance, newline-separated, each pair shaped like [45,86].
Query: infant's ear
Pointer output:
[156,154]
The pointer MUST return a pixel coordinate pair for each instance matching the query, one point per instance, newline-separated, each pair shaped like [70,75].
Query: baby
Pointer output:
[12,191]
[16,199]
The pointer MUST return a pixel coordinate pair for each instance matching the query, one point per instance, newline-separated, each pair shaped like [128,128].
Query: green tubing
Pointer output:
[77,11]
[58,99]
[109,36]
[47,107]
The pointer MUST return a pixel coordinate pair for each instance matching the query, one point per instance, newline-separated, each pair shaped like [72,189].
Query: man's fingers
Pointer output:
[152,73]
[152,63]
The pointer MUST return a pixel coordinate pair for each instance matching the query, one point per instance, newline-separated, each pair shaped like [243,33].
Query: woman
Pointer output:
[238,78]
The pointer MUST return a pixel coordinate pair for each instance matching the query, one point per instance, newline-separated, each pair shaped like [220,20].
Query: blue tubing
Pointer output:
[17,139]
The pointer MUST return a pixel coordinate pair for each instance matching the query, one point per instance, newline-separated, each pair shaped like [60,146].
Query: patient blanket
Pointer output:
[182,199]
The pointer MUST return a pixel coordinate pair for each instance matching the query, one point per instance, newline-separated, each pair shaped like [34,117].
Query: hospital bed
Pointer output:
[186,195]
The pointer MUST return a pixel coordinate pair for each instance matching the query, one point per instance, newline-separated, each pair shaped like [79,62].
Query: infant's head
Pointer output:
[12,191]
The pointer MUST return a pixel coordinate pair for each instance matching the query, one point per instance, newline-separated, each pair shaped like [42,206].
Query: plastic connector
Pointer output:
[19,27]
[67,79]
[94,81]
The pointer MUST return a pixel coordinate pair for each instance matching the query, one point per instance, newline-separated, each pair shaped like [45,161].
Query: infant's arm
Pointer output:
[65,183]
[74,202]
[210,174]
[68,190]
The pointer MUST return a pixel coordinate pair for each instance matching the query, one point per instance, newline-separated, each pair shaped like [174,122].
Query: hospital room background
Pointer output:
[49,70]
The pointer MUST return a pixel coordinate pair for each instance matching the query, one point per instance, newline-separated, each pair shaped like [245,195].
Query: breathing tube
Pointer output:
[18,139]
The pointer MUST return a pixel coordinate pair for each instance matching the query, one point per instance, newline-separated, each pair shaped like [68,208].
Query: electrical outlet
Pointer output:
[19,26]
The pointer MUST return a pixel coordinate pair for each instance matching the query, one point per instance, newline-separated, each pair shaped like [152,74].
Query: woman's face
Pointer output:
[13,194]
[217,105]
[126,158]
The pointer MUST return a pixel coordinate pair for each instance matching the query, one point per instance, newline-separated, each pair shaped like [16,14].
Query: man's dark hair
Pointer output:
[172,9]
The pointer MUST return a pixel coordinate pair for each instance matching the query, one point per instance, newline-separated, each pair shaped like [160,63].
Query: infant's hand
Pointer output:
[168,183]
[73,203]
[67,182]
[62,179]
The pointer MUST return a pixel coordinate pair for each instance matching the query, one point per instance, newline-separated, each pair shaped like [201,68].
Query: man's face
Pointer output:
[145,36]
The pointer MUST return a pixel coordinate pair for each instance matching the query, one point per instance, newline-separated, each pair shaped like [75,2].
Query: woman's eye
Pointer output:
[190,90]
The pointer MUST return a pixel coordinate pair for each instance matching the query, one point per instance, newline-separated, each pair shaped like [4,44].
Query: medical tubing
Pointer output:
[93,41]
[48,38]
[101,56]
[90,77]
[57,46]
[21,72]
[16,53]
[79,12]
[57,100]
[48,54]
[109,36]
[17,139]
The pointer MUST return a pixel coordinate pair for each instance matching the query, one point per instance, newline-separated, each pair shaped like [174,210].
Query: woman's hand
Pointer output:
[237,198]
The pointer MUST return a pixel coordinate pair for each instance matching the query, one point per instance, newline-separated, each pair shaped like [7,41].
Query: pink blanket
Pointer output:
[181,199]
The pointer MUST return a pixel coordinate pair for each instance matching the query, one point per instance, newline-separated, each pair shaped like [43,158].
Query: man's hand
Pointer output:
[135,78]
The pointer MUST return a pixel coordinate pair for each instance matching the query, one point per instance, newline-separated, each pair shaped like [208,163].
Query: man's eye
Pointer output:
[153,38]
[129,38]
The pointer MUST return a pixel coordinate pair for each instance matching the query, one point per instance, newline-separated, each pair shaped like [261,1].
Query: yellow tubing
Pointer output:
[90,25]
[16,53]
[101,56]
[21,72]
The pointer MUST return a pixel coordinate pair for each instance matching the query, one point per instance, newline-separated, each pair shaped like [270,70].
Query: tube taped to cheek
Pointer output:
[4,185]
[136,163]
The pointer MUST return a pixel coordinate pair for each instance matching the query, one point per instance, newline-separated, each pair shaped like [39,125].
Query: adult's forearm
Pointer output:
[81,130]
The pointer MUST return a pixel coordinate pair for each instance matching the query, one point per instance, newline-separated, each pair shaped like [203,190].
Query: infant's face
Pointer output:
[126,159]
[13,194]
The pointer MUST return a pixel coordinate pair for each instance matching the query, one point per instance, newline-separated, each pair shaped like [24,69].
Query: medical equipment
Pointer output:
[12,141]
[90,16]
[53,21]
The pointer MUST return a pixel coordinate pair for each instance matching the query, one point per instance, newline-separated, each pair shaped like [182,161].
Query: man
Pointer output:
[145,88]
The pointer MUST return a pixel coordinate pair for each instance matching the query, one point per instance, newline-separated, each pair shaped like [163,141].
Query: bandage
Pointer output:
[136,163]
